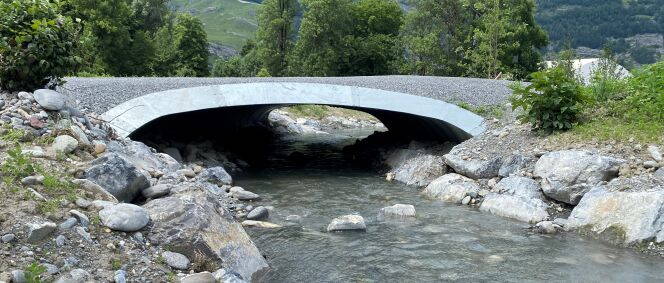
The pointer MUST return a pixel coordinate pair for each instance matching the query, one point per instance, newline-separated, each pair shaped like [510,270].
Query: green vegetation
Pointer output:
[33,272]
[37,44]
[276,34]
[17,165]
[553,101]
[594,23]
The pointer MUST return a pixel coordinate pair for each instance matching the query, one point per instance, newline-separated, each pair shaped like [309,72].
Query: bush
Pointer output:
[553,100]
[645,95]
[36,44]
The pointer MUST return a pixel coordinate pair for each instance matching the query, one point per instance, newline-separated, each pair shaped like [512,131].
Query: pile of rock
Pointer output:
[137,202]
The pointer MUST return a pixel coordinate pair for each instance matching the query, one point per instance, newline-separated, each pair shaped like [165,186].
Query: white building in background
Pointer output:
[586,67]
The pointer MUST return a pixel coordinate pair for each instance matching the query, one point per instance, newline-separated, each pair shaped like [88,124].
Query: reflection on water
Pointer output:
[444,243]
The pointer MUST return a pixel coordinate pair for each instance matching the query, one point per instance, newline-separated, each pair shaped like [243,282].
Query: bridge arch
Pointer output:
[251,103]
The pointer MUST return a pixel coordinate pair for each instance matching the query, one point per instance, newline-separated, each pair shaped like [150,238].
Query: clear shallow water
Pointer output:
[444,243]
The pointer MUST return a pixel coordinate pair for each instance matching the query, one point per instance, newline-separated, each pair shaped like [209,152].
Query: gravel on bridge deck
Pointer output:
[101,94]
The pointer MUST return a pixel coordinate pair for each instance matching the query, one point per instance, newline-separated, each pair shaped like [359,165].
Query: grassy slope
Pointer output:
[231,23]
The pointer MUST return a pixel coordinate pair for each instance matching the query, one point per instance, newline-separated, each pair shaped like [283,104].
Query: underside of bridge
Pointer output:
[223,110]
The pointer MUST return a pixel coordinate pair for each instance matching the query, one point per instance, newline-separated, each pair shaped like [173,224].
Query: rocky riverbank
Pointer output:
[608,190]
[284,121]
[80,204]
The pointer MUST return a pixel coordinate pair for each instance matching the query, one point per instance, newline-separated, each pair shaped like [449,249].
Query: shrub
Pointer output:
[36,44]
[606,82]
[645,95]
[552,101]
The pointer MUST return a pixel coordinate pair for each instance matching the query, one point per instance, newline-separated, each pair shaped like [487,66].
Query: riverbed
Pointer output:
[445,242]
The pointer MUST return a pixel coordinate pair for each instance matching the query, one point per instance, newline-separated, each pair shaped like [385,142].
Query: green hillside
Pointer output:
[228,22]
[632,25]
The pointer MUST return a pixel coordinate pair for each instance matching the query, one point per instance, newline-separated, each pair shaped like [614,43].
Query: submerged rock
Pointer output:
[259,224]
[118,176]
[195,223]
[530,210]
[451,188]
[622,216]
[567,175]
[398,211]
[347,222]
[124,217]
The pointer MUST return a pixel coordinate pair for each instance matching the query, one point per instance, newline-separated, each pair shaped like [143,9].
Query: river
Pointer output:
[445,242]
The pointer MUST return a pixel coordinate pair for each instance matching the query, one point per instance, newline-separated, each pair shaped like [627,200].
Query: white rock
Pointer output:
[398,211]
[124,217]
[50,99]
[259,224]
[64,144]
[176,260]
[515,207]
[451,188]
[655,153]
[347,222]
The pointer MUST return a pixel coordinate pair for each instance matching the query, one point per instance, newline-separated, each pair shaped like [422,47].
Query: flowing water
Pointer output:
[446,242]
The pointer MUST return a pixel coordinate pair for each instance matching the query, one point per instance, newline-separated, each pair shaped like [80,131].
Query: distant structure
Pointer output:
[586,67]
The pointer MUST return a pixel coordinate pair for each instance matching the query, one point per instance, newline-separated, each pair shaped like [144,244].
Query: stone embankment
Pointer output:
[609,190]
[86,206]
[284,123]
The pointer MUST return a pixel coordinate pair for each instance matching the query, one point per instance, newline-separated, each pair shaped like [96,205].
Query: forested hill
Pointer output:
[634,27]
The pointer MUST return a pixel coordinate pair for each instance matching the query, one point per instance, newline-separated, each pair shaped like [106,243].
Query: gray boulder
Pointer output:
[202,277]
[621,216]
[117,176]
[414,167]
[529,210]
[124,217]
[50,99]
[242,194]
[520,186]
[144,157]
[156,191]
[567,175]
[64,144]
[39,231]
[347,222]
[258,213]
[547,227]
[660,173]
[176,260]
[512,165]
[397,211]
[195,223]
[474,169]
[215,175]
[451,188]
[226,276]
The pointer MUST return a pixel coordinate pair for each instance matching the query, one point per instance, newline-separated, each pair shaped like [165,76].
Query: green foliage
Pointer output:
[605,82]
[552,102]
[191,45]
[263,73]
[17,165]
[276,34]
[33,272]
[12,135]
[37,44]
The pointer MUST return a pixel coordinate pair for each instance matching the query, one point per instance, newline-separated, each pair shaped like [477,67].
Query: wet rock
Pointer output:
[39,231]
[64,144]
[195,223]
[95,189]
[397,211]
[176,260]
[415,167]
[520,186]
[512,165]
[124,217]
[258,213]
[347,222]
[226,276]
[203,277]
[50,99]
[117,176]
[259,224]
[244,195]
[568,175]
[156,191]
[655,153]
[529,210]
[466,200]
[451,188]
[547,227]
[215,175]
[621,216]
[293,218]
[474,169]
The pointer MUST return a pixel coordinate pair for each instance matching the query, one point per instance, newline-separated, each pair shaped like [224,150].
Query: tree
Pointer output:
[322,37]
[275,34]
[373,46]
[192,46]
[434,36]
